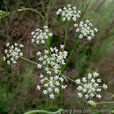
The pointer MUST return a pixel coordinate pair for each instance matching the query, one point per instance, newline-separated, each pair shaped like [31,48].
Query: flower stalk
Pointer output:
[44,111]
[33,10]
[72,52]
[48,11]
[66,34]
[28,60]
[105,102]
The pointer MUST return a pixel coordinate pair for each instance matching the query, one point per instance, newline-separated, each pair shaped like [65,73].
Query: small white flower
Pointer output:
[57,83]
[41,76]
[92,95]
[45,91]
[8,62]
[76,25]
[89,38]
[96,30]
[56,77]
[61,46]
[49,89]
[38,87]
[38,53]
[95,74]
[46,85]
[52,96]
[89,76]
[64,86]
[84,90]
[93,81]
[84,79]
[99,96]
[92,103]
[99,89]
[4,58]
[40,59]
[56,90]
[105,86]
[99,80]
[86,96]
[77,30]
[78,81]
[39,66]
[79,88]
[61,79]
[50,34]
[80,95]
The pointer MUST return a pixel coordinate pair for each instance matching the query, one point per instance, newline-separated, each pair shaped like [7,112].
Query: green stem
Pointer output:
[108,102]
[28,60]
[48,11]
[61,95]
[69,78]
[44,111]
[43,8]
[66,34]
[33,10]
[48,43]
[72,52]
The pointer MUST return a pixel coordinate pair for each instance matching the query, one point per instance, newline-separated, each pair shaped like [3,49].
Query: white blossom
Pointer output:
[40,36]
[78,81]
[80,95]
[90,86]
[86,30]
[12,53]
[98,96]
[38,87]
[69,13]
[105,86]
[51,61]
[39,66]
[51,96]
[45,91]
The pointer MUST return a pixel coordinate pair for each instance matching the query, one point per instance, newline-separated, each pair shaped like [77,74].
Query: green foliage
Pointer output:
[3,14]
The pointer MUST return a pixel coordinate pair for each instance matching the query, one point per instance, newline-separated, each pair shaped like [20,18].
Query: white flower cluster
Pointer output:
[51,85]
[86,30]
[52,61]
[69,13]
[90,86]
[12,53]
[40,36]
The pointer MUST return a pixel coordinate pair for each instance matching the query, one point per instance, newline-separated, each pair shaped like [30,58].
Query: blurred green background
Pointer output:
[18,83]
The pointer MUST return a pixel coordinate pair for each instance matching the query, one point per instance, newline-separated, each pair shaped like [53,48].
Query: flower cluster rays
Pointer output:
[86,30]
[40,36]
[90,86]
[69,13]
[12,53]
[51,61]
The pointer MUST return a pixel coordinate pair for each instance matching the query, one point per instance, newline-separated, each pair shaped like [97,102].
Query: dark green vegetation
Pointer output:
[18,83]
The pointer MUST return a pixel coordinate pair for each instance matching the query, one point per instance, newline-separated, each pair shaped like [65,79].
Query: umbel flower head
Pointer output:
[86,30]
[40,36]
[90,87]
[12,53]
[51,61]
[69,13]
[51,85]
